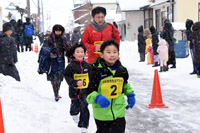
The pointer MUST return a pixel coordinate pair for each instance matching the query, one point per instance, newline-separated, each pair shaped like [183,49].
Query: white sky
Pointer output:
[58,10]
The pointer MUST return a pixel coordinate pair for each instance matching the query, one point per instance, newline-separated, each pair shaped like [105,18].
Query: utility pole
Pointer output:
[38,17]
[42,16]
[28,8]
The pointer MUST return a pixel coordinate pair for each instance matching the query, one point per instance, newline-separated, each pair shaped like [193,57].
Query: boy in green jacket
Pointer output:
[109,84]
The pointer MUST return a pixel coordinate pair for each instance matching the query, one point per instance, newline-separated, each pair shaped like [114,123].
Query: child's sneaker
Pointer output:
[83,130]
[75,118]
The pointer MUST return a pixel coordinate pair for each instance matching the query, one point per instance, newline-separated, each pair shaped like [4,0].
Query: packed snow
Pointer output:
[29,107]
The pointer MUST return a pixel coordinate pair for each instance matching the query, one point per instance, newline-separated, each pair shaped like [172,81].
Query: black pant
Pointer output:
[142,56]
[28,47]
[172,58]
[80,106]
[115,126]
[56,87]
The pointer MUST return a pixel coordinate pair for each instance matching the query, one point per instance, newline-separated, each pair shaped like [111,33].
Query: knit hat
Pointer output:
[7,26]
[58,27]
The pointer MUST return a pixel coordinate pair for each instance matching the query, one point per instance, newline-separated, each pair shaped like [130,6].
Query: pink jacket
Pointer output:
[162,50]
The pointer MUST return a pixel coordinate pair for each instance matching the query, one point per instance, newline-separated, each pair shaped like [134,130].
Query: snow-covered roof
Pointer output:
[158,3]
[102,1]
[111,14]
[127,5]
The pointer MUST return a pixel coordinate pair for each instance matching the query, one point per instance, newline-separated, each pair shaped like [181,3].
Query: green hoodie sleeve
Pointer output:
[128,89]
[91,97]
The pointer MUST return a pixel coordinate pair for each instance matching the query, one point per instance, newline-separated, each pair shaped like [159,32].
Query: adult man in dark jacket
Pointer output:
[155,44]
[28,39]
[168,36]
[141,43]
[8,53]
[76,35]
[188,25]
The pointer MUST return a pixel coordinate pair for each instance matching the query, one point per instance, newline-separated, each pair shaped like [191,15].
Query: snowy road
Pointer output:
[180,92]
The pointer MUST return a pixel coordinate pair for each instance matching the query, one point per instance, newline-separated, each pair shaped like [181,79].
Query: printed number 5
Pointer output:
[114,91]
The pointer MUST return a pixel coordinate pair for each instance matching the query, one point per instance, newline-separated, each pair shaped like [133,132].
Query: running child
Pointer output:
[77,77]
[109,84]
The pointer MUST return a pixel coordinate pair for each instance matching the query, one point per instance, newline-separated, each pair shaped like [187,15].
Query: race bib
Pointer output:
[112,87]
[84,77]
[98,42]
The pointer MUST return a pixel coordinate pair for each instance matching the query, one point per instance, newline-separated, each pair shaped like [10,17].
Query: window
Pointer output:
[163,17]
[158,25]
[199,12]
[169,13]
[148,18]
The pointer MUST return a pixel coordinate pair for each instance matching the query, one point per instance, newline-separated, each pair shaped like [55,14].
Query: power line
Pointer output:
[34,3]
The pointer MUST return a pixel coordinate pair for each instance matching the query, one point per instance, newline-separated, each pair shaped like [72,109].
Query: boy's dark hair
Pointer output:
[73,48]
[108,43]
[98,10]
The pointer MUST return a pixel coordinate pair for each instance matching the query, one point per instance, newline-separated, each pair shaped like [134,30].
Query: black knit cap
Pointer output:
[58,27]
[7,26]
[73,48]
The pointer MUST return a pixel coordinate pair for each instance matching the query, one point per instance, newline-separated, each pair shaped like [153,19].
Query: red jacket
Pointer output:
[90,36]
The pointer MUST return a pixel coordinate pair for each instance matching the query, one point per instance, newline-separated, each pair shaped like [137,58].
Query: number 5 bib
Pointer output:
[83,77]
[112,87]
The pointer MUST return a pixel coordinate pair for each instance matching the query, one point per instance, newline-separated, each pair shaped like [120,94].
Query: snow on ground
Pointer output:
[29,107]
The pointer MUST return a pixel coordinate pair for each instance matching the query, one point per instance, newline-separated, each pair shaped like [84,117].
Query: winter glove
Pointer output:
[102,101]
[130,100]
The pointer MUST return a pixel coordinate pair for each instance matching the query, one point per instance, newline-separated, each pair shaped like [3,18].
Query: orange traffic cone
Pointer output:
[156,99]
[36,48]
[1,120]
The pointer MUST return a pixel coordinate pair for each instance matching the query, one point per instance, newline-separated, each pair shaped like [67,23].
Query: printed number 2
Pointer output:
[114,91]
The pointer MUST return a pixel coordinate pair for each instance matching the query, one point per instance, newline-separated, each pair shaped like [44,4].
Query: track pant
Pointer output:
[115,126]
[80,106]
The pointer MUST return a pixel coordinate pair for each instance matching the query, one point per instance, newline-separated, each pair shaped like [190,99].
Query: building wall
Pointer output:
[133,20]
[186,9]
[78,12]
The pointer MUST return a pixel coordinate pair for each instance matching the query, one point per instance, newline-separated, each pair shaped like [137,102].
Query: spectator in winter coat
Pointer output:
[78,87]
[155,45]
[28,39]
[115,24]
[189,24]
[76,35]
[20,40]
[163,54]
[14,28]
[168,36]
[195,37]
[8,53]
[149,49]
[141,43]
[59,46]
[98,32]
[108,86]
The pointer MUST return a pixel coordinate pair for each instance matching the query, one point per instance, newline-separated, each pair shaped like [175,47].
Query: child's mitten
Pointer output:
[130,100]
[102,101]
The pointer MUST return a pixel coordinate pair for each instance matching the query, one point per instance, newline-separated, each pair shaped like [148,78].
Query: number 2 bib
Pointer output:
[83,77]
[112,87]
